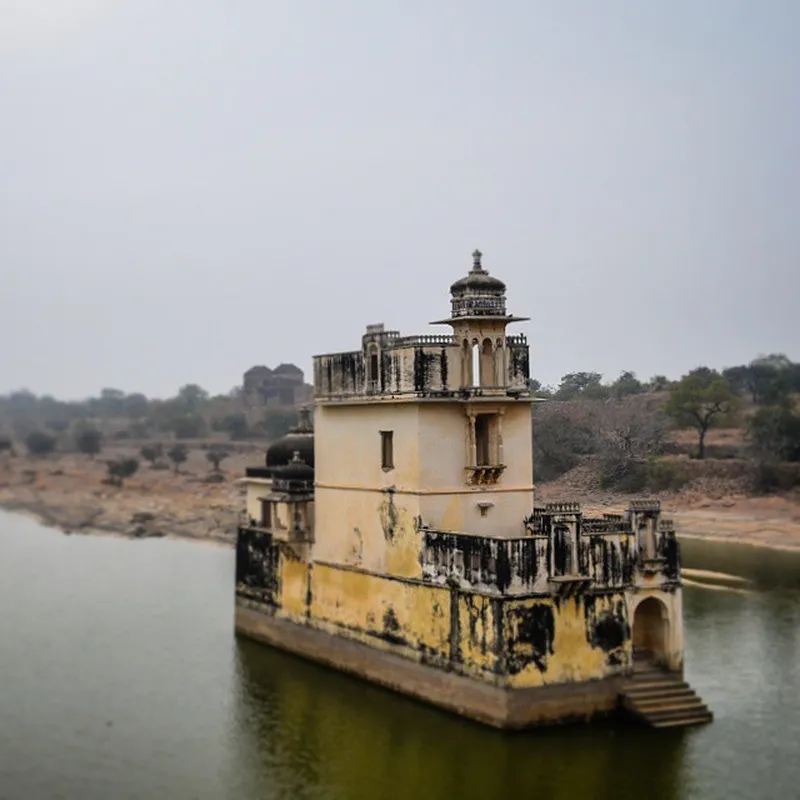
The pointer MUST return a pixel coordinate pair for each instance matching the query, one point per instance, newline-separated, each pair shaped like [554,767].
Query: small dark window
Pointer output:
[373,367]
[266,514]
[387,449]
[482,449]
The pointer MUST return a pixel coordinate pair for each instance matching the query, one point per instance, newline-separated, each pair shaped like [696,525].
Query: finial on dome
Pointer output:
[476,261]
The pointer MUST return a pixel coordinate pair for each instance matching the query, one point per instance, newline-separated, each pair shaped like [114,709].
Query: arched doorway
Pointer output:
[650,632]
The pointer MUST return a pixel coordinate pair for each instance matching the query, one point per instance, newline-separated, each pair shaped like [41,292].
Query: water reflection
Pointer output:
[139,634]
[333,736]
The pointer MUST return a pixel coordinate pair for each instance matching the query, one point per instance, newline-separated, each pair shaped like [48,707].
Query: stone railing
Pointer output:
[424,339]
[502,565]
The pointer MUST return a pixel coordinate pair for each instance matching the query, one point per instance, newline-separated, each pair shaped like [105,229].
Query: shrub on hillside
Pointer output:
[40,443]
[767,477]
[120,469]
[562,434]
[88,440]
[151,453]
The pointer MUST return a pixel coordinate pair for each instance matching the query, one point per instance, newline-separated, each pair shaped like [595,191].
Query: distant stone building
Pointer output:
[282,386]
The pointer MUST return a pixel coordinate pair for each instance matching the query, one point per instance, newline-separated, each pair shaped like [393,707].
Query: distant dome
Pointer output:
[300,439]
[478,293]
[296,476]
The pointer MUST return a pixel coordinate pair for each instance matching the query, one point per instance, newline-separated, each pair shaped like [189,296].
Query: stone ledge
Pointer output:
[499,707]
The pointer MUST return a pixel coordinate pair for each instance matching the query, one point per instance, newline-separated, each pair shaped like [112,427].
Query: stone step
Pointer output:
[648,700]
[664,691]
[663,714]
[668,706]
[652,686]
[685,721]
[662,701]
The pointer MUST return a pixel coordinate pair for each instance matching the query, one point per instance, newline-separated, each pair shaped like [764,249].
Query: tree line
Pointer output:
[625,423]
[191,414]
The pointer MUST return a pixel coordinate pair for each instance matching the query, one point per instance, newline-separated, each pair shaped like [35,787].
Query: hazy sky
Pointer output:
[192,187]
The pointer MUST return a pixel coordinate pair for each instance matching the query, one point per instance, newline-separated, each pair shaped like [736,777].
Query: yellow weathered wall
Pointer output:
[477,634]
[569,655]
[293,587]
[383,612]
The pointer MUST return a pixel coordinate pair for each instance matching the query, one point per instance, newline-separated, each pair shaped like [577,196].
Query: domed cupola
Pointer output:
[478,294]
[300,439]
[296,477]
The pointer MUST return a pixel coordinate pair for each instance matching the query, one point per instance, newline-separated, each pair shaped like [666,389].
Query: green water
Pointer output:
[120,678]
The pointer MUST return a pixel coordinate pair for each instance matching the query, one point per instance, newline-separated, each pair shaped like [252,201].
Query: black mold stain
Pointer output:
[490,561]
[391,627]
[562,550]
[387,512]
[608,629]
[669,549]
[535,627]
[257,566]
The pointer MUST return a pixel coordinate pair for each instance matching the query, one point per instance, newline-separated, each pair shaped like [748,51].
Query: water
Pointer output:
[120,678]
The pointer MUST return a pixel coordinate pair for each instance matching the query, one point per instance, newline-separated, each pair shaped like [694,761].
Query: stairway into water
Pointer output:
[662,699]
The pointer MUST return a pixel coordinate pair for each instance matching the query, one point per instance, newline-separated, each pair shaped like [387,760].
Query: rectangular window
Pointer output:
[266,514]
[483,456]
[387,449]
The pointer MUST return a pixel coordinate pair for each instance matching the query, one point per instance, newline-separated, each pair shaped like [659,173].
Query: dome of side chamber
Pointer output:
[299,439]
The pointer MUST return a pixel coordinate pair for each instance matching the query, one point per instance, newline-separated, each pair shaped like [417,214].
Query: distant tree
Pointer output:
[658,383]
[700,400]
[562,434]
[152,452]
[192,396]
[627,384]
[188,426]
[40,443]
[56,425]
[235,425]
[178,454]
[111,402]
[88,440]
[587,385]
[774,432]
[216,455]
[765,384]
[6,445]
[121,469]
[136,406]
[277,422]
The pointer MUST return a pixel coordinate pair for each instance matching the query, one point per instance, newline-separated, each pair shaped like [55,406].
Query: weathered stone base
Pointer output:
[492,705]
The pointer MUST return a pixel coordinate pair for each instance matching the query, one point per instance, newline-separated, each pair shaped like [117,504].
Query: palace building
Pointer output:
[397,539]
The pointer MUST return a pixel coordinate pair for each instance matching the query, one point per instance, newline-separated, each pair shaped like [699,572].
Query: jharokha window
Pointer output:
[485,461]
[387,450]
